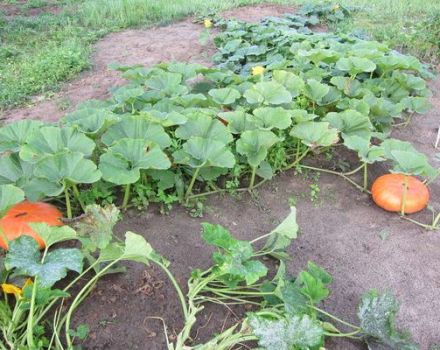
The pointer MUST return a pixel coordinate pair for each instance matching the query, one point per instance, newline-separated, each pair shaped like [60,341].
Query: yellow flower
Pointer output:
[11,289]
[336,7]
[257,70]
[208,23]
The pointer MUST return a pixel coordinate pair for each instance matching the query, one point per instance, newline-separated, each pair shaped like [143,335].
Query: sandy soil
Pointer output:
[362,246]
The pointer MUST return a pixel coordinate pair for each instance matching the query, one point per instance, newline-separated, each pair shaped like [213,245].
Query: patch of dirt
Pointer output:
[178,41]
[18,9]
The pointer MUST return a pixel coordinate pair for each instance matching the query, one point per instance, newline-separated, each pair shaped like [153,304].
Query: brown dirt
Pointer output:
[18,9]
[178,41]
[362,246]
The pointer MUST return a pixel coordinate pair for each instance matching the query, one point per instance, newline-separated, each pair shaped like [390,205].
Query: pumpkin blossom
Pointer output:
[258,70]
[9,288]
[208,23]
[336,7]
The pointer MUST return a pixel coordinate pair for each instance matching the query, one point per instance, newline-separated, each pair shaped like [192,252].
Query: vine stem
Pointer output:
[126,196]
[251,184]
[67,197]
[336,318]
[297,160]
[405,192]
[343,175]
[365,166]
[77,196]
[191,184]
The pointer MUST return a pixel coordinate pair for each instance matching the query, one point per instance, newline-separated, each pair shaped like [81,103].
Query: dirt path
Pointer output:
[178,41]
[361,245]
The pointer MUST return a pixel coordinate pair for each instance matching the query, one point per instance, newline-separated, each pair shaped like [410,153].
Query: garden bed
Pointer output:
[362,246]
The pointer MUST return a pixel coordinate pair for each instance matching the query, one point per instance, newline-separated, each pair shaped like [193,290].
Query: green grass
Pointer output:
[37,53]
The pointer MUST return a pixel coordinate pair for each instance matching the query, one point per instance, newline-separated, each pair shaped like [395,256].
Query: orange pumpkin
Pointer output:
[16,220]
[388,192]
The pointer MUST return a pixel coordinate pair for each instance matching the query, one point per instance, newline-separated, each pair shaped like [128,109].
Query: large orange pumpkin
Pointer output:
[16,220]
[388,192]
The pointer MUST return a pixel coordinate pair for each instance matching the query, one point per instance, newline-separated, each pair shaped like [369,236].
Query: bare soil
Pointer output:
[362,246]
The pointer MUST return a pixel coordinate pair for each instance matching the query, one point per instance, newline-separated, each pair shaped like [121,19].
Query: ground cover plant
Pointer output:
[286,311]
[180,131]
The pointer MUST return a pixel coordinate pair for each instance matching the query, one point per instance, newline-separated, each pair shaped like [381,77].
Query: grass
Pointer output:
[39,52]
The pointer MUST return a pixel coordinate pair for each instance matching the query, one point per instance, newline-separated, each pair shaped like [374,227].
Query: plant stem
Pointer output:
[335,318]
[126,196]
[251,183]
[30,321]
[77,196]
[176,287]
[68,207]
[405,192]
[191,184]
[297,160]
[365,176]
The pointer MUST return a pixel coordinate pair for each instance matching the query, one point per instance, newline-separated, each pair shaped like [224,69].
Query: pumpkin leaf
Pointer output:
[50,140]
[24,255]
[68,166]
[224,96]
[165,119]
[268,93]
[366,152]
[14,135]
[91,120]
[167,83]
[281,237]
[122,162]
[315,134]
[268,118]
[203,126]
[377,313]
[137,249]
[295,332]
[254,144]
[349,123]
[137,127]
[316,90]
[355,65]
[200,152]
[238,121]
[53,234]
[417,104]
[9,195]
[293,83]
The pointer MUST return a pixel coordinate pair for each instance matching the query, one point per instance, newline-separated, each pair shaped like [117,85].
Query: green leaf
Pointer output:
[366,152]
[91,120]
[377,314]
[165,119]
[201,152]
[200,125]
[49,140]
[81,332]
[137,127]
[350,123]
[296,332]
[14,135]
[315,134]
[224,96]
[97,225]
[301,115]
[349,87]
[293,83]
[268,118]
[9,196]
[238,121]
[355,65]
[417,104]
[139,250]
[217,236]
[281,237]
[268,93]
[24,255]
[265,171]
[313,287]
[316,90]
[67,166]
[122,162]
[254,144]
[167,83]
[53,234]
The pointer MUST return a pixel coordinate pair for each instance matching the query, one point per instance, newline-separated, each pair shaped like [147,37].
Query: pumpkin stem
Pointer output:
[126,196]
[77,197]
[405,192]
[252,182]
[191,184]
[365,176]
[68,206]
